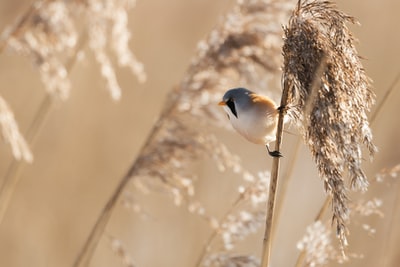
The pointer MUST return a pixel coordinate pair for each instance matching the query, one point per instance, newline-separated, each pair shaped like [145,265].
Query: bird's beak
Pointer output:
[222,103]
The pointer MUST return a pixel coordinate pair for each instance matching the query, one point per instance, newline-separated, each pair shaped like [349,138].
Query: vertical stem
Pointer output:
[13,174]
[267,242]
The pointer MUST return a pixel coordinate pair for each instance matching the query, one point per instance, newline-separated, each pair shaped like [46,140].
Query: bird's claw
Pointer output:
[275,153]
[282,109]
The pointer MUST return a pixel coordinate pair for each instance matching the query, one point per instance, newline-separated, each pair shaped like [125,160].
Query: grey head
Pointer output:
[237,98]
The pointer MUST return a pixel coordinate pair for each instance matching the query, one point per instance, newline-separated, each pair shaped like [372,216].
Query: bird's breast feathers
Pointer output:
[257,124]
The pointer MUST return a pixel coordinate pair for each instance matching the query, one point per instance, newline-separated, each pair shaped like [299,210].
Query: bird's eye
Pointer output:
[231,106]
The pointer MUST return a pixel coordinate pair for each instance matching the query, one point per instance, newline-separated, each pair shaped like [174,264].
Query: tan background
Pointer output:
[89,141]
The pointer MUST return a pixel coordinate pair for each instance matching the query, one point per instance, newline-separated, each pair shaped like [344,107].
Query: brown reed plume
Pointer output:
[338,96]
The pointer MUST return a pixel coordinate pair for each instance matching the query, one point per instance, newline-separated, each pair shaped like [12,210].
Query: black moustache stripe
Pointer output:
[231,106]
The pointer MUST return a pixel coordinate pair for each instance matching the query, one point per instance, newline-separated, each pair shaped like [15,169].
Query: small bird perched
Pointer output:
[253,116]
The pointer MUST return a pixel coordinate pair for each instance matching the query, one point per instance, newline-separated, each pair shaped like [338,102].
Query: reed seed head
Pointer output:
[330,95]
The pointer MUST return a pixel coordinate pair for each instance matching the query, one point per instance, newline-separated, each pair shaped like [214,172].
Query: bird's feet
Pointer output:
[282,109]
[275,153]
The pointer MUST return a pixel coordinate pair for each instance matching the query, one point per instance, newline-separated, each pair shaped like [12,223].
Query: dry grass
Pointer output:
[327,95]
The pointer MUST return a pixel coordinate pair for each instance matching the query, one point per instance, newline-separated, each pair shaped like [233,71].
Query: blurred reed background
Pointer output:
[89,141]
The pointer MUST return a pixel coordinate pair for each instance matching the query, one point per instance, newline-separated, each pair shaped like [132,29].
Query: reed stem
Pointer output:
[267,242]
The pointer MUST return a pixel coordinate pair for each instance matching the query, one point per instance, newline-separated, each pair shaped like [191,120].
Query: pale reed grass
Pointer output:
[48,33]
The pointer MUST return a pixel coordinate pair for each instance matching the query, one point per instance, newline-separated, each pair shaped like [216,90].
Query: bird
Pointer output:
[253,116]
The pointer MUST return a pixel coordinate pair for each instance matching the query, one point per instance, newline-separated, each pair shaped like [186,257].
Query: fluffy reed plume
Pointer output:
[45,31]
[12,135]
[387,172]
[48,33]
[330,95]
[317,244]
[243,49]
[368,207]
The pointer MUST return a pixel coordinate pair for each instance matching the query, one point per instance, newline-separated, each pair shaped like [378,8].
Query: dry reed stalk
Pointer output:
[243,49]
[267,241]
[308,105]
[336,126]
